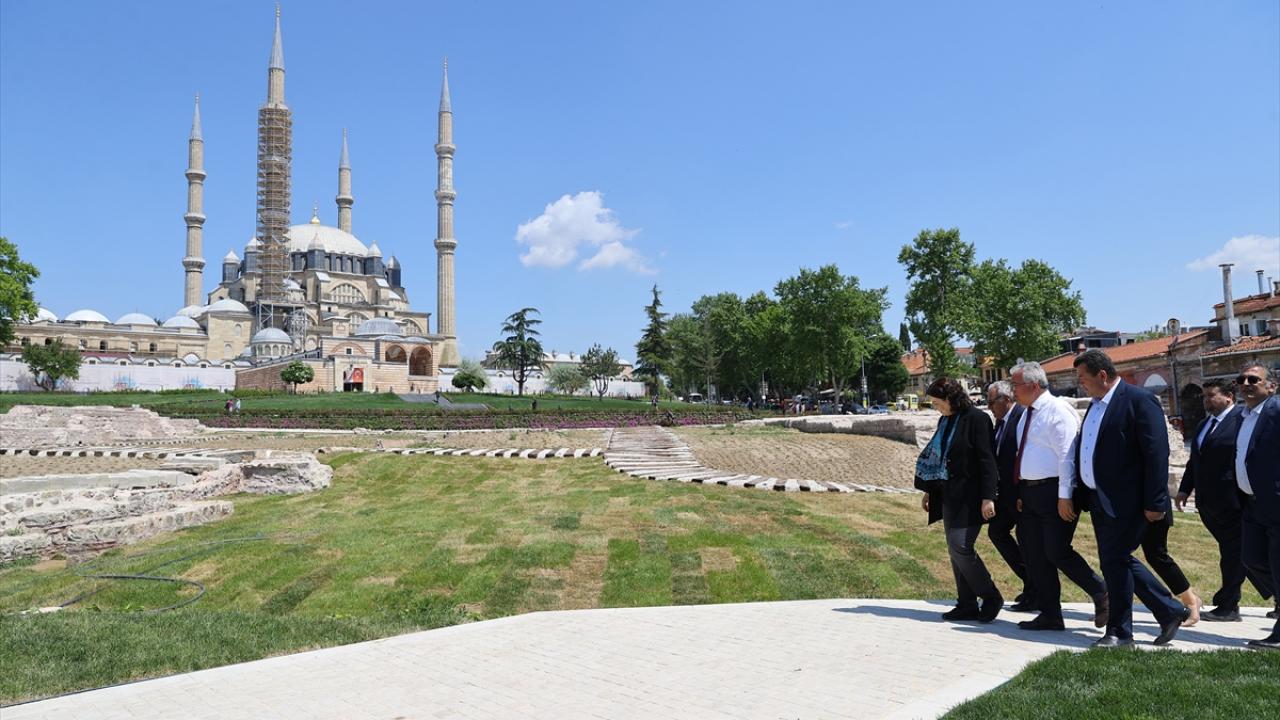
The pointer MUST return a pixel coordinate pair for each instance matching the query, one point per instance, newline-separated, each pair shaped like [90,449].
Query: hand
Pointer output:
[1179,500]
[1067,510]
[1153,516]
[924,502]
[1019,504]
[988,509]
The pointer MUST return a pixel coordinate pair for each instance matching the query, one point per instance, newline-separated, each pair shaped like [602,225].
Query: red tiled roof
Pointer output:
[1251,343]
[1250,304]
[915,362]
[1125,353]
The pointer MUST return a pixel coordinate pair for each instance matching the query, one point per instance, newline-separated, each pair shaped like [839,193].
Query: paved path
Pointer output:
[655,453]
[806,659]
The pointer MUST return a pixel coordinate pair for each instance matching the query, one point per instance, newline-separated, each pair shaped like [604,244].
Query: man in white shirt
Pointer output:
[1258,478]
[1042,473]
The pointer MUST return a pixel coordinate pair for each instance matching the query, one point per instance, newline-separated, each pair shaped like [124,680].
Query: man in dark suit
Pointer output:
[1122,478]
[1211,476]
[1258,479]
[1007,413]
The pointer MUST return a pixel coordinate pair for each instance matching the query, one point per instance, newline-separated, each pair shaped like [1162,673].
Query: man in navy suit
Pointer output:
[1122,478]
[1211,477]
[1007,413]
[1258,479]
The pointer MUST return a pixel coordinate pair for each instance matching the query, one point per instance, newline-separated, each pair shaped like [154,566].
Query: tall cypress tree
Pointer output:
[904,337]
[653,352]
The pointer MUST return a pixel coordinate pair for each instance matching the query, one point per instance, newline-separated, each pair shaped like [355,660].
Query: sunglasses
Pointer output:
[1248,380]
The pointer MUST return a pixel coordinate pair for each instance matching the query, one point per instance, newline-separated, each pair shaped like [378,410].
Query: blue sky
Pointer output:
[604,147]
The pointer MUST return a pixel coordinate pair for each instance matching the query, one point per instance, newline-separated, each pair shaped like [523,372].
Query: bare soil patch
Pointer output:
[785,453]
[25,465]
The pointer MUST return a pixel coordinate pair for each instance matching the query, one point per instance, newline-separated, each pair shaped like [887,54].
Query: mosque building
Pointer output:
[311,292]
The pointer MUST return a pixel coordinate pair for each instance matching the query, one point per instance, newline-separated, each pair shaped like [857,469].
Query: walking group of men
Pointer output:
[1115,465]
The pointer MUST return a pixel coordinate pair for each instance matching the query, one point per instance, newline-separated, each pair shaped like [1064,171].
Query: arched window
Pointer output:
[26,342]
[102,344]
[396,354]
[347,293]
[151,347]
[133,347]
[420,361]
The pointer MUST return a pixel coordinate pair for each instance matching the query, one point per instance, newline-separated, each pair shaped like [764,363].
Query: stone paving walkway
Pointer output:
[655,453]
[892,659]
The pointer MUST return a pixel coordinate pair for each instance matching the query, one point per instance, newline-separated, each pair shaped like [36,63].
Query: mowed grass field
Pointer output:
[401,543]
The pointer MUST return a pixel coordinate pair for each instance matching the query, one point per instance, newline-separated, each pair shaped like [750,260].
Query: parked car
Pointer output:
[878,410]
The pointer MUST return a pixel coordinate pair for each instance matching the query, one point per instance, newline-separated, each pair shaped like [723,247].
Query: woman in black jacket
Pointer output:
[958,473]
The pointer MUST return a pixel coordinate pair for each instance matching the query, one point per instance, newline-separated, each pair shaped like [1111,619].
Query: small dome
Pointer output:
[191,311]
[181,321]
[42,315]
[378,326]
[271,335]
[87,316]
[374,250]
[226,305]
[315,243]
[231,257]
[134,318]
[253,244]
[393,263]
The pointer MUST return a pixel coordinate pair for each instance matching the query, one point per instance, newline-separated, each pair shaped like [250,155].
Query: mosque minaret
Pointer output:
[445,242]
[193,263]
[344,197]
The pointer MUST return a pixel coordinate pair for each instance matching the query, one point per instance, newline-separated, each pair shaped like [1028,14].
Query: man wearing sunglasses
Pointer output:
[1258,477]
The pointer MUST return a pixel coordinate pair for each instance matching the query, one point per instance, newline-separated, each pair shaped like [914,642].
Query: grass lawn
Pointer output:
[1111,684]
[399,543]
[565,402]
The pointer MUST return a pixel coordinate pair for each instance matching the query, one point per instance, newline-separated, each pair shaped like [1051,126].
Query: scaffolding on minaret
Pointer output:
[275,159]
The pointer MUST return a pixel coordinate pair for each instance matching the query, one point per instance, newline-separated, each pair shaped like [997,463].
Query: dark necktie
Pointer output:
[1212,424]
[1017,462]
[999,433]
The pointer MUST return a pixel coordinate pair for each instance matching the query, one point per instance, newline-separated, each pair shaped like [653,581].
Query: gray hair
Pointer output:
[1002,388]
[1031,372]
[1266,371]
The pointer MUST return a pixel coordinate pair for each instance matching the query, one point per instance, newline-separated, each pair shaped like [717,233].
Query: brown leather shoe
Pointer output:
[1101,609]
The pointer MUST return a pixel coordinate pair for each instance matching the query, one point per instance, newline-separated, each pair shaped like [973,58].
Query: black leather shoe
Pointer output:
[1113,641]
[1170,628]
[1101,609]
[1042,623]
[1272,615]
[962,613]
[991,608]
[1270,643]
[1221,615]
[1023,606]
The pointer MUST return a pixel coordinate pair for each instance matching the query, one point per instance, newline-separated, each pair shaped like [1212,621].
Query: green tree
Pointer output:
[566,379]
[1020,313]
[17,302]
[829,317]
[904,337]
[600,365]
[684,333]
[653,352]
[469,376]
[520,351]
[723,319]
[886,375]
[939,269]
[297,373]
[52,363]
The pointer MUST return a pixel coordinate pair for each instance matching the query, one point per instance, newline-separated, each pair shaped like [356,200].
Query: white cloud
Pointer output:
[578,224]
[844,224]
[1249,253]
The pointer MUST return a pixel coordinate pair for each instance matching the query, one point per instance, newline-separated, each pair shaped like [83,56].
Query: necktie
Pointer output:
[1212,424]
[1017,462]
[999,433]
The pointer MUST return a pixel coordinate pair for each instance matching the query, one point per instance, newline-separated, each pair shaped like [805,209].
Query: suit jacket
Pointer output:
[1262,461]
[1131,456]
[971,472]
[1006,455]
[1211,471]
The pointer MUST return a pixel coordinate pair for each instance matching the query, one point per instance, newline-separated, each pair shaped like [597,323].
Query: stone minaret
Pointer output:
[275,154]
[344,198]
[193,263]
[445,242]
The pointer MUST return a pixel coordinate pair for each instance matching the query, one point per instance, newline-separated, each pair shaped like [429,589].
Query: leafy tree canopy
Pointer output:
[51,364]
[17,302]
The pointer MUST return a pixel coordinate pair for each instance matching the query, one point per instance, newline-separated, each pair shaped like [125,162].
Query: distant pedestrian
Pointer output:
[237,406]
[228,405]
[535,404]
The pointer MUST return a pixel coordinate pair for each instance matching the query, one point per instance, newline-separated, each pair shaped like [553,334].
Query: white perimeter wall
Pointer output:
[538,386]
[15,376]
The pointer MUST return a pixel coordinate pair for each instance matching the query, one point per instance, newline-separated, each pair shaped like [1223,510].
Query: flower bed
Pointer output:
[467,420]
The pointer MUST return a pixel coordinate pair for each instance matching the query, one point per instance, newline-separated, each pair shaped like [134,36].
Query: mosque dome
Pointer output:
[134,318]
[92,316]
[331,240]
[374,250]
[181,321]
[191,311]
[226,305]
[42,315]
[378,326]
[271,335]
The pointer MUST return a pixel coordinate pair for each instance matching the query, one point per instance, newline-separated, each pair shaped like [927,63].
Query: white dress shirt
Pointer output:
[1089,436]
[1204,433]
[1247,422]
[1053,427]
